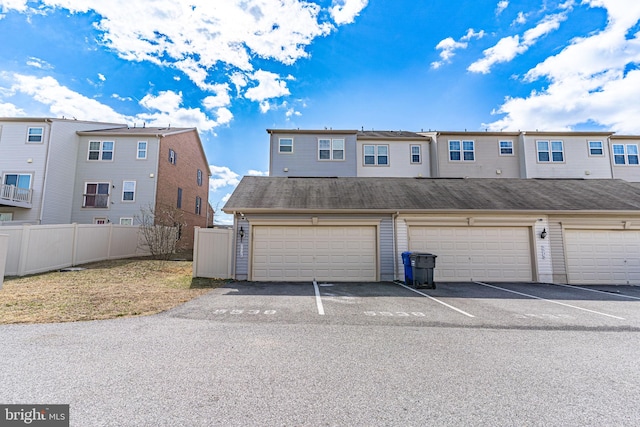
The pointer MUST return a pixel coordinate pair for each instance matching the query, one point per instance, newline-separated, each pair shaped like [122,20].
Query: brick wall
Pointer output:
[189,158]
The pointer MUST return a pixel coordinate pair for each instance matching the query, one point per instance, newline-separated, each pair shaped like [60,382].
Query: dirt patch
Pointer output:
[102,290]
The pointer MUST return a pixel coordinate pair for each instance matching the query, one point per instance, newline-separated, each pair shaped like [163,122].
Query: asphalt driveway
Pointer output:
[343,354]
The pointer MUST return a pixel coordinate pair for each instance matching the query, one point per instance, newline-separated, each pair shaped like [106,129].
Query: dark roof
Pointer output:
[148,131]
[432,194]
[390,134]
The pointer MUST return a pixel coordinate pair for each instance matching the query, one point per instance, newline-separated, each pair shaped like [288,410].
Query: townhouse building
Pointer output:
[67,171]
[501,206]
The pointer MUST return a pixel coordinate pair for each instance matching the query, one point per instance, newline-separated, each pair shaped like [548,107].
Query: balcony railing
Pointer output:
[96,201]
[14,196]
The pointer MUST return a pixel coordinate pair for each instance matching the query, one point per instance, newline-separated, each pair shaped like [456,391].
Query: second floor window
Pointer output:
[199,178]
[376,155]
[550,151]
[128,191]
[18,180]
[34,135]
[596,148]
[285,145]
[96,195]
[462,151]
[142,150]
[179,202]
[415,154]
[625,154]
[331,149]
[506,148]
[173,157]
[100,150]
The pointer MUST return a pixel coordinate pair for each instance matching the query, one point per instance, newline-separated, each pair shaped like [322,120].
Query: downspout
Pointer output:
[234,245]
[395,244]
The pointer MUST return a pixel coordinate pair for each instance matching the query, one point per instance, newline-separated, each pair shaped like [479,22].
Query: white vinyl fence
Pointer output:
[38,248]
[4,245]
[212,252]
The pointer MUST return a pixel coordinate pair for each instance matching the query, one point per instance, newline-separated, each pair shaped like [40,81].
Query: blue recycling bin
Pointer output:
[408,270]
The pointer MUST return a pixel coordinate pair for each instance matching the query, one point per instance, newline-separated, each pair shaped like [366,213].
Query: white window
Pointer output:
[199,178]
[506,148]
[376,155]
[126,221]
[173,157]
[128,191]
[331,149]
[34,135]
[142,150]
[100,220]
[100,150]
[6,216]
[550,151]
[625,154]
[415,154]
[462,151]
[198,205]
[18,180]
[285,145]
[596,148]
[96,195]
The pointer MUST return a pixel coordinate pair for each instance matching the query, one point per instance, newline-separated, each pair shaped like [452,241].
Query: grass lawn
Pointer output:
[101,290]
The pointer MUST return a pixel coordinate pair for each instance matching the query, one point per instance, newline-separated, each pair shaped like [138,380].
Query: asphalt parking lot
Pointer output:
[334,354]
[471,304]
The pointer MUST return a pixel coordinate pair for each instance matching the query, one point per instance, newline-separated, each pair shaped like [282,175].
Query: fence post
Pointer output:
[4,248]
[109,242]
[74,248]
[196,239]
[24,250]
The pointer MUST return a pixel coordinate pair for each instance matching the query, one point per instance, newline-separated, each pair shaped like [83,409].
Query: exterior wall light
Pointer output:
[241,233]
[544,233]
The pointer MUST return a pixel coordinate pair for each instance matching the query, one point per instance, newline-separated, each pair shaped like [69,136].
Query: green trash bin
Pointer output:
[422,265]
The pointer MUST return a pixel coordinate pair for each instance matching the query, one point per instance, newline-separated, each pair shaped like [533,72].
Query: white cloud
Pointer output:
[448,46]
[270,85]
[222,176]
[345,11]
[502,5]
[38,63]
[595,79]
[521,19]
[226,198]
[509,47]
[252,172]
[10,110]
[162,109]
[101,77]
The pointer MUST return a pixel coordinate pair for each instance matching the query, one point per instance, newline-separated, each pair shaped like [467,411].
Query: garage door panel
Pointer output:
[295,253]
[476,253]
[603,256]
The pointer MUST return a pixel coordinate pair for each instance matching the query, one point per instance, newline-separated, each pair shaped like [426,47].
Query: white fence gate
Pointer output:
[212,249]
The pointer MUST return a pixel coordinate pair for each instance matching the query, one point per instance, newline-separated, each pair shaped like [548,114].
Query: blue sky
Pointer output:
[233,68]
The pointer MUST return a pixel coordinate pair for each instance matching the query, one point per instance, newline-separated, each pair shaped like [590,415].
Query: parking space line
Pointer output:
[318,299]
[436,300]
[598,291]
[548,300]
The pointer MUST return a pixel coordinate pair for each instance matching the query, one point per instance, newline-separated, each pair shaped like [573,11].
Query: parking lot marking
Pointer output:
[437,300]
[598,291]
[318,299]
[551,301]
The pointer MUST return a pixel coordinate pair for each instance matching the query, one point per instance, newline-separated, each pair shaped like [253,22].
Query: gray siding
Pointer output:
[242,251]
[386,250]
[627,172]
[61,170]
[556,238]
[124,167]
[303,160]
[578,163]
[18,156]
[399,159]
[488,162]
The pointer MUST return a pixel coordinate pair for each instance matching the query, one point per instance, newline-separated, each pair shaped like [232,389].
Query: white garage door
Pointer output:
[324,253]
[603,256]
[476,253]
